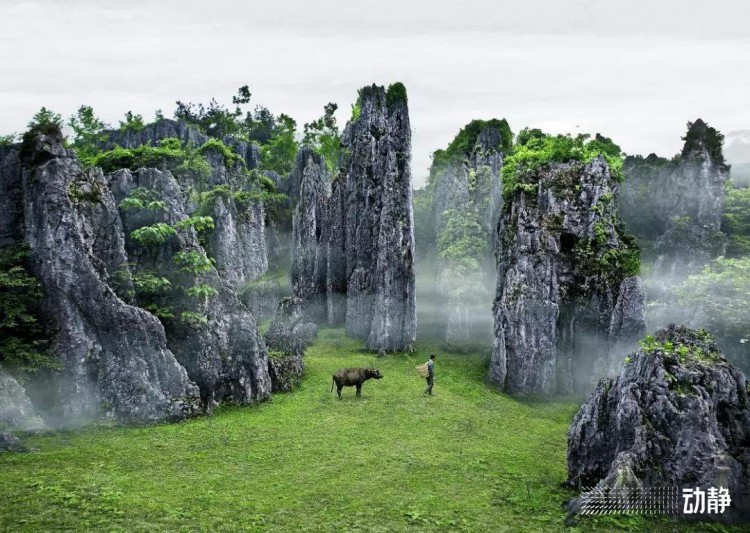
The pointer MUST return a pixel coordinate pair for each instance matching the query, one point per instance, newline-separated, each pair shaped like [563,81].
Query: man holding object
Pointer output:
[430,374]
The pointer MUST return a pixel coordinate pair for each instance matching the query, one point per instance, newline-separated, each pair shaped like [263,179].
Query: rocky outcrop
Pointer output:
[674,207]
[309,250]
[237,243]
[565,295]
[153,133]
[334,235]
[211,333]
[17,413]
[353,252]
[287,338]
[379,231]
[468,187]
[290,332]
[678,415]
[114,356]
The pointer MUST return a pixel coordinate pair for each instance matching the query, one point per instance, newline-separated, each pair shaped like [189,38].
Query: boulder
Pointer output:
[677,415]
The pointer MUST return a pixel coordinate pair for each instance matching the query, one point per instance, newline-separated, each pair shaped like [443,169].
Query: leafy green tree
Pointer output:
[279,152]
[7,140]
[88,133]
[736,221]
[721,293]
[132,122]
[44,119]
[24,347]
[324,137]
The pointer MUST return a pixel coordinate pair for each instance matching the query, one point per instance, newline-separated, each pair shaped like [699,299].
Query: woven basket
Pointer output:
[422,370]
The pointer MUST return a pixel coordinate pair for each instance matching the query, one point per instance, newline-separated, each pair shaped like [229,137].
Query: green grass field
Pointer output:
[466,459]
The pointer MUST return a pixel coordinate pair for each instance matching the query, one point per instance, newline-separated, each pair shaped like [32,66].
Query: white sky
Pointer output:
[636,71]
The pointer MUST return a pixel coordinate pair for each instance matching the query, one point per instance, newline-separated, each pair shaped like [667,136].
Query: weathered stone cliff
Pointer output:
[114,356]
[674,207]
[212,334]
[678,415]
[566,298]
[379,231]
[353,238]
[468,187]
[309,249]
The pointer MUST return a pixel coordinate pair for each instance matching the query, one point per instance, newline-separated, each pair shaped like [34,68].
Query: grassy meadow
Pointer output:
[465,459]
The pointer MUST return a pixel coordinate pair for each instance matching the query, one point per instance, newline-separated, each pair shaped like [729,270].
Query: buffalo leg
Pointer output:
[359,389]
[338,390]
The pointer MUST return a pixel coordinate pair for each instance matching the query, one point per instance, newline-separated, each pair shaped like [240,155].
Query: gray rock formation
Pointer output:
[565,299]
[212,335]
[16,410]
[309,250]
[114,356]
[334,234]
[353,249]
[467,184]
[678,415]
[379,236]
[674,207]
[287,338]
[153,133]
[290,333]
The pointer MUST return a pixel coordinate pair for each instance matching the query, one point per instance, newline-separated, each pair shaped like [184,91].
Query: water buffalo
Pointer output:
[353,377]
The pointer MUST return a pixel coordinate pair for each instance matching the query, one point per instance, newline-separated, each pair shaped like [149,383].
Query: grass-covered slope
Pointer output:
[466,459]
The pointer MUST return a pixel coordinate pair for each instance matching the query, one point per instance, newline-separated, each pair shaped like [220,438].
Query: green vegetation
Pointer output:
[324,137]
[462,146]
[169,155]
[153,235]
[699,136]
[596,258]
[88,134]
[536,149]
[142,198]
[8,140]
[24,345]
[736,221]
[722,292]
[218,147]
[132,122]
[466,459]
[684,352]
[396,93]
[44,119]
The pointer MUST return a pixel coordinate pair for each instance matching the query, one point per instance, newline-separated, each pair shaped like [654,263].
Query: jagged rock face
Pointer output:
[152,133]
[379,237]
[309,250]
[563,301]
[678,414]
[286,372]
[114,356]
[471,185]
[674,207]
[223,353]
[189,134]
[289,332]
[334,235]
[238,243]
[17,413]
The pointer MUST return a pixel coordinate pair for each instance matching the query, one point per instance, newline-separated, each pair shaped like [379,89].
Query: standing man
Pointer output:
[430,374]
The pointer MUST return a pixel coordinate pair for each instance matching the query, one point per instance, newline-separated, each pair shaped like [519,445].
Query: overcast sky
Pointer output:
[636,71]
